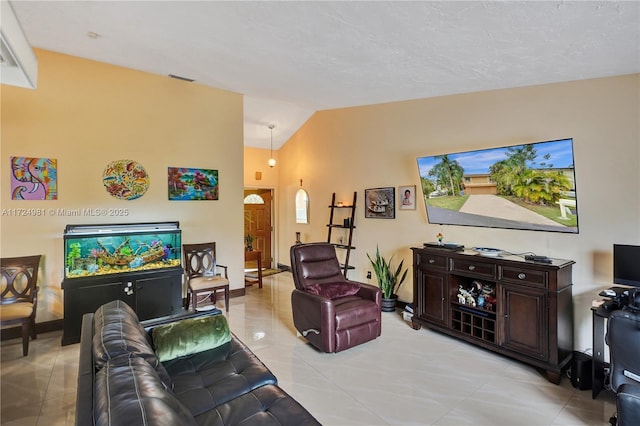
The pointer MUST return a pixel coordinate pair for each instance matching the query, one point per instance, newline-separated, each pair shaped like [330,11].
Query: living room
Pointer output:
[85,114]
[152,118]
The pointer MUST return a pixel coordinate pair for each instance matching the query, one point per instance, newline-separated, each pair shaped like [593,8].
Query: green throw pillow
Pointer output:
[190,336]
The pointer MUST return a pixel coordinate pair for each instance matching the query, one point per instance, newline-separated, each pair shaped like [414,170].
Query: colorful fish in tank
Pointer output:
[167,251]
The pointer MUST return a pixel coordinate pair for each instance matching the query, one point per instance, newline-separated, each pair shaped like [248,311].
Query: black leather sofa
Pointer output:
[122,382]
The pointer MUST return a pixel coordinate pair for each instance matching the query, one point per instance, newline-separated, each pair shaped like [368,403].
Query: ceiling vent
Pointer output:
[190,80]
[18,63]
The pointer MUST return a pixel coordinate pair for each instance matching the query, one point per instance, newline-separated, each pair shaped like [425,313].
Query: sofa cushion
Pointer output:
[266,405]
[117,332]
[128,391]
[190,336]
[333,290]
[115,311]
[210,378]
[353,311]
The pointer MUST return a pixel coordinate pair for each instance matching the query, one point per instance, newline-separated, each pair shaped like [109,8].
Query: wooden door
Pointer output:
[257,222]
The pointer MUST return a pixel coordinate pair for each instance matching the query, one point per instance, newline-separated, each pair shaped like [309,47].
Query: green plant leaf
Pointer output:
[389,279]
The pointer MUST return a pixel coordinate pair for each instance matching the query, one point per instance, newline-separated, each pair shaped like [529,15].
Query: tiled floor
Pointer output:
[405,377]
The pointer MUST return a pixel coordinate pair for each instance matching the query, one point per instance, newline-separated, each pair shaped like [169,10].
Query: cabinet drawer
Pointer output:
[524,276]
[472,267]
[433,261]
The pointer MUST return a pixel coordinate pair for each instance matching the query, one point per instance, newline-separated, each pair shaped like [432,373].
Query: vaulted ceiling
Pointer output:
[290,59]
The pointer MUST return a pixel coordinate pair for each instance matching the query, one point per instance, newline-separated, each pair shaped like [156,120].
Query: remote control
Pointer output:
[534,258]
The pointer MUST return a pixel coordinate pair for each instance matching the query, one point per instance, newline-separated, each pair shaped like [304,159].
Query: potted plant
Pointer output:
[389,279]
[249,241]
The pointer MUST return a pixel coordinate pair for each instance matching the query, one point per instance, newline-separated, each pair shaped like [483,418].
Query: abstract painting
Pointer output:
[34,178]
[125,179]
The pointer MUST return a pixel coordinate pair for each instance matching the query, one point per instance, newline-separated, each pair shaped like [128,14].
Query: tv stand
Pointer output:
[529,316]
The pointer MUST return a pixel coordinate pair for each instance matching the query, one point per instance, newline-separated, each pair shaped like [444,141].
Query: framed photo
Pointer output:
[407,196]
[380,203]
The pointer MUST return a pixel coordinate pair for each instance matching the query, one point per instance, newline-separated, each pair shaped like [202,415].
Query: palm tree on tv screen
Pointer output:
[448,174]
[514,177]
[510,171]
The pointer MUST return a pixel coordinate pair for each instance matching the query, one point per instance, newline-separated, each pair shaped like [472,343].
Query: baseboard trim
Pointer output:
[238,292]
[41,327]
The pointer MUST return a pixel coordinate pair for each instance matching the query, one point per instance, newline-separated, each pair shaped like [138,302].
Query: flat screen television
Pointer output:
[626,265]
[529,187]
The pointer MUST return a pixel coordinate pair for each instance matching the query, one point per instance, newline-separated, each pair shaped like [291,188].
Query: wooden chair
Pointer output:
[20,295]
[203,279]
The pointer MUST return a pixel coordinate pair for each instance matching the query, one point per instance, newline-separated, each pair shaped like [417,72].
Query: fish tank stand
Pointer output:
[138,263]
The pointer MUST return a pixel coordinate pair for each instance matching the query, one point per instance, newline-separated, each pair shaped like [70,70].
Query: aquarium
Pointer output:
[97,250]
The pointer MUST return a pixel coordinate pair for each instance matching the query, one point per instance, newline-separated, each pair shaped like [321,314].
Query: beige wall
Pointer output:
[86,114]
[346,150]
[255,161]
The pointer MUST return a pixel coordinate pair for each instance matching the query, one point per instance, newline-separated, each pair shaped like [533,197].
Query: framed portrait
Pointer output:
[407,197]
[380,203]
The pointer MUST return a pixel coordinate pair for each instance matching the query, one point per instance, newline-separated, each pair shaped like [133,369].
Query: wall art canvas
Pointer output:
[407,195]
[34,178]
[192,184]
[125,179]
[380,203]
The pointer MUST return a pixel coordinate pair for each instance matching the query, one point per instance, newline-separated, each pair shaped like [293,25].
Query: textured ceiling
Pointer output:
[290,59]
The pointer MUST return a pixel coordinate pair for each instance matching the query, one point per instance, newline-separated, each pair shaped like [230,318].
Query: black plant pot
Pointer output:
[389,305]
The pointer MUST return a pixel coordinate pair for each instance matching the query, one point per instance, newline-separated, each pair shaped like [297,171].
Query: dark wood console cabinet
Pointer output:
[531,319]
[151,294]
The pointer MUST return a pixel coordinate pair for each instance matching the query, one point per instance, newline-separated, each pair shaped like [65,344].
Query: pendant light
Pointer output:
[272,161]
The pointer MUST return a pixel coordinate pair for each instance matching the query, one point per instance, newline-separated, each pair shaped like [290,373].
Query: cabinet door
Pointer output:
[87,298]
[432,296]
[523,320]
[158,296]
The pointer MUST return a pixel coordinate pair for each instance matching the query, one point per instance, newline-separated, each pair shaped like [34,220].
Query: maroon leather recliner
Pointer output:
[331,312]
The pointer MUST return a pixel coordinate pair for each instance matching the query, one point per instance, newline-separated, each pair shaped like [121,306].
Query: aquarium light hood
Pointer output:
[18,63]
[117,228]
